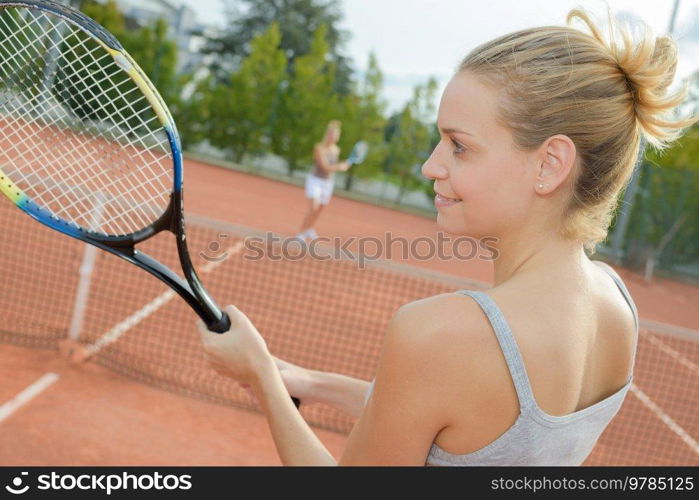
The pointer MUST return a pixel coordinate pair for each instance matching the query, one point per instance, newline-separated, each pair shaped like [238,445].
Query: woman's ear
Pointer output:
[557,160]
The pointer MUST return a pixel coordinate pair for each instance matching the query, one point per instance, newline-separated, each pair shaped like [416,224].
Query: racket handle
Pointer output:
[222,325]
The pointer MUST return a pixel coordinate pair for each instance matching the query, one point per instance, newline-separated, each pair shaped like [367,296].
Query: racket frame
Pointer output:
[359,146]
[191,288]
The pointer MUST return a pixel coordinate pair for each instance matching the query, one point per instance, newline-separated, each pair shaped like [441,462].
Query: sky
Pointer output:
[416,39]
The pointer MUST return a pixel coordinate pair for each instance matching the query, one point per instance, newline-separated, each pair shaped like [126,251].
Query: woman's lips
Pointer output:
[442,201]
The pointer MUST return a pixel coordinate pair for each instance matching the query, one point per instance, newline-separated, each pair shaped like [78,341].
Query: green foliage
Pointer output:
[156,54]
[148,46]
[193,109]
[362,115]
[99,79]
[410,139]
[306,105]
[107,14]
[242,108]
[20,65]
[296,19]
[669,195]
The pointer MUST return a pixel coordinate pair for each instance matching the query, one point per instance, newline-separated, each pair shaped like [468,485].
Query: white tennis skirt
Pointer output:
[319,189]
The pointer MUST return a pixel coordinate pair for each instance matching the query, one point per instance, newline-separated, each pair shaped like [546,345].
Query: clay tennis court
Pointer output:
[145,397]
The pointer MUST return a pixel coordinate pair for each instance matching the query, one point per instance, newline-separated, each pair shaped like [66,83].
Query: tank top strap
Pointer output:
[509,347]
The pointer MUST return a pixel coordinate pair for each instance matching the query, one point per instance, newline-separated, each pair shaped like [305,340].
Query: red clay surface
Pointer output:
[92,416]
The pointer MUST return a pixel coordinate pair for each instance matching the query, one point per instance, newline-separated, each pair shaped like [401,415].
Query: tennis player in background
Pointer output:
[540,131]
[320,182]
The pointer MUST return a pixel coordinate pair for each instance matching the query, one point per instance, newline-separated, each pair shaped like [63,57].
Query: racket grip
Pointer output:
[297,401]
[222,325]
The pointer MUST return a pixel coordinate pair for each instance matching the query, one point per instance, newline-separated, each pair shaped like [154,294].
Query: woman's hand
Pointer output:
[299,381]
[240,353]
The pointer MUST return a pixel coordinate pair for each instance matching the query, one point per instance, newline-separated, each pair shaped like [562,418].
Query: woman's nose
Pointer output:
[433,168]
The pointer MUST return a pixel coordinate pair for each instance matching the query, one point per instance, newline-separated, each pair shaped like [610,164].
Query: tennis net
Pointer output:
[326,314]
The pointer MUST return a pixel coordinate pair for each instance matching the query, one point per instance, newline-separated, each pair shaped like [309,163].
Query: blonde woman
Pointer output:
[540,131]
[320,182]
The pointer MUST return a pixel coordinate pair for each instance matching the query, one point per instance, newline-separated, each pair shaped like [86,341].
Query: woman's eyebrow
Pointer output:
[451,130]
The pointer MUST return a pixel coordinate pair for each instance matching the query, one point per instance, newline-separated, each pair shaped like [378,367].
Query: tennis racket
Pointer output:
[87,145]
[359,153]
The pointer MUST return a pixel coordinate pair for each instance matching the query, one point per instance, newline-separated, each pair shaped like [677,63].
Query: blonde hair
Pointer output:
[603,96]
[333,125]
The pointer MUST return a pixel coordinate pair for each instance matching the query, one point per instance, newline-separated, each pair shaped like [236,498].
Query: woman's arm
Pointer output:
[346,394]
[296,443]
[241,353]
[402,418]
[323,162]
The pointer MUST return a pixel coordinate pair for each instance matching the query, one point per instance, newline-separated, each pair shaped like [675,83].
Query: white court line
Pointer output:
[666,419]
[27,395]
[115,333]
[691,366]
[122,327]
[654,408]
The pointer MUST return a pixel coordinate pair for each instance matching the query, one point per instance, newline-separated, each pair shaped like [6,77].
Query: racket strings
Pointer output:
[77,133]
[139,205]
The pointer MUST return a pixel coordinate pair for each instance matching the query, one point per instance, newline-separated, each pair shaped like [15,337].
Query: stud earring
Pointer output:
[541,186]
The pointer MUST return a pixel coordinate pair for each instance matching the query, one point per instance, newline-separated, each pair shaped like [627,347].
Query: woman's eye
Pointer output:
[458,148]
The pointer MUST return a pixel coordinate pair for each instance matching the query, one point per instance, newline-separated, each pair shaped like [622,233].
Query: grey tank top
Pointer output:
[537,438]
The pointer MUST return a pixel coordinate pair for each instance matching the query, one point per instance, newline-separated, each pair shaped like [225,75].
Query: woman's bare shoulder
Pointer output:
[448,342]
[438,312]
[606,267]
[446,320]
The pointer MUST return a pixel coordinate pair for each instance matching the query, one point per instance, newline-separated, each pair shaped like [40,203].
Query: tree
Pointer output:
[664,227]
[107,14]
[156,54]
[692,101]
[193,109]
[73,82]
[409,145]
[363,119]
[253,95]
[148,46]
[296,18]
[306,105]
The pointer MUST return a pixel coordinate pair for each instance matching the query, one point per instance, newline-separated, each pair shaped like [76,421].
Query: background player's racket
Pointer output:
[359,152]
[87,145]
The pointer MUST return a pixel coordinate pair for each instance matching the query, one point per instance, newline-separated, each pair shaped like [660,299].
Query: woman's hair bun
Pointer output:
[649,64]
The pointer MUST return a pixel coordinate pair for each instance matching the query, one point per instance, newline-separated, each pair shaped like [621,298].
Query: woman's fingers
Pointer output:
[237,317]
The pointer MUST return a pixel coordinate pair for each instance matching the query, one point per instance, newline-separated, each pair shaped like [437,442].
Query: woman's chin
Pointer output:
[449,225]
[457,227]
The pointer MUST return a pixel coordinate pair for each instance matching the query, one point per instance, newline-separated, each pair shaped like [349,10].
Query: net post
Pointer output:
[71,347]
